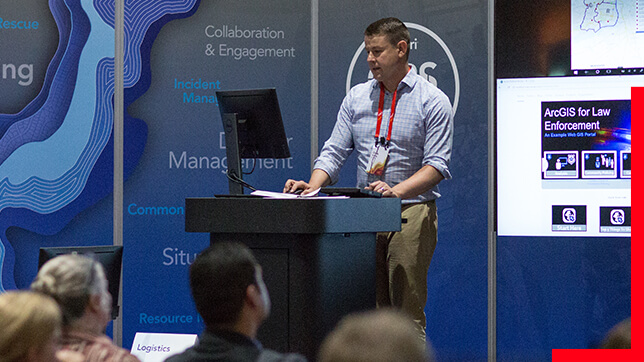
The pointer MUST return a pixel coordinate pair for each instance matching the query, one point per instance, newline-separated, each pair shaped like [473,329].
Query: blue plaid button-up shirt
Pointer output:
[421,133]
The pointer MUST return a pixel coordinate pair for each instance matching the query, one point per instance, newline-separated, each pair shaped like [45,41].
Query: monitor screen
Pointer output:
[110,256]
[563,155]
[568,38]
[260,130]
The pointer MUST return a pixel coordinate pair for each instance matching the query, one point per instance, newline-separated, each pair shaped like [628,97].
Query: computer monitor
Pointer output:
[253,129]
[110,256]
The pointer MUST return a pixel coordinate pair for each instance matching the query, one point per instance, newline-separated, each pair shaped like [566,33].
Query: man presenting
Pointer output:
[401,127]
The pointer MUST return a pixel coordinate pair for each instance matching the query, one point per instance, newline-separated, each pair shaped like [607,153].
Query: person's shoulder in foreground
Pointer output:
[231,347]
[95,348]
[268,355]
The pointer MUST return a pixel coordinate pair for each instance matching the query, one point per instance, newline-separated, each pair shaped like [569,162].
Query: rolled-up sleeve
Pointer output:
[339,146]
[439,124]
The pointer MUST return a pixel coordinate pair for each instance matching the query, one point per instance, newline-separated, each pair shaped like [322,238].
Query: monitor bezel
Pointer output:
[260,136]
[110,257]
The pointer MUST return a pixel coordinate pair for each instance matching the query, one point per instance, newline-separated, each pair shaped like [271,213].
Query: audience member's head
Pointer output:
[79,286]
[228,289]
[382,335]
[29,327]
[619,337]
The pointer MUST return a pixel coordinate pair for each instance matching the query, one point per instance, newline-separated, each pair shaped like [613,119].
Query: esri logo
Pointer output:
[569,215]
[617,217]
[429,56]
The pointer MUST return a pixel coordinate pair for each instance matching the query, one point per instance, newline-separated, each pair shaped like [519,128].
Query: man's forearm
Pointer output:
[421,181]
[319,178]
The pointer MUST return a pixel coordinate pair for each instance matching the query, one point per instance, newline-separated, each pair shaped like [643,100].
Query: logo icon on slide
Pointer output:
[569,215]
[617,217]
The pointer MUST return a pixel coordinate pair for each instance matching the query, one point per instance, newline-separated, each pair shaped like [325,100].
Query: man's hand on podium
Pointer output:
[298,187]
[383,188]
[319,178]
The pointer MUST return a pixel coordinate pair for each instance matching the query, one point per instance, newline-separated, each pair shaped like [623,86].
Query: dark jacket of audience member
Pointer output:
[230,295]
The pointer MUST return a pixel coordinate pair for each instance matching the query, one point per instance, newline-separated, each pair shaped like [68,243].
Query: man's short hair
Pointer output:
[394,29]
[376,336]
[219,277]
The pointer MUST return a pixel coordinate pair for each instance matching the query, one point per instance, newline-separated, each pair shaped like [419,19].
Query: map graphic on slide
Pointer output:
[605,35]
[599,14]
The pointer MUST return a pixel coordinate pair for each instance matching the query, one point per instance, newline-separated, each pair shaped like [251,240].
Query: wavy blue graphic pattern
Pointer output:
[62,18]
[73,123]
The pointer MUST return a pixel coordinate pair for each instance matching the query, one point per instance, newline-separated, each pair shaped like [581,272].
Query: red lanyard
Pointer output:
[391,115]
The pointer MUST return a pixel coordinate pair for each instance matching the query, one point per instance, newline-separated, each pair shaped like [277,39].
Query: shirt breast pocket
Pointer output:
[408,129]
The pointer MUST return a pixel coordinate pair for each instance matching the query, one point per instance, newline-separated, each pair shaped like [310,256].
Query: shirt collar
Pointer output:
[232,336]
[409,80]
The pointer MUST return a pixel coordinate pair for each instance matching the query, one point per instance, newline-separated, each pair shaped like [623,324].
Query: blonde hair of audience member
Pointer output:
[29,327]
[619,337]
[381,335]
[79,286]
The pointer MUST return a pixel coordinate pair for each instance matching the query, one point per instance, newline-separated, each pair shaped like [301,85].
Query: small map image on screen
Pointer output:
[560,164]
[626,164]
[615,219]
[569,218]
[599,164]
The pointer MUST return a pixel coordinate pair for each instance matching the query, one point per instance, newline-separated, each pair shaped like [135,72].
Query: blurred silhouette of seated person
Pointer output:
[79,286]
[230,295]
[382,335]
[30,328]
[619,337]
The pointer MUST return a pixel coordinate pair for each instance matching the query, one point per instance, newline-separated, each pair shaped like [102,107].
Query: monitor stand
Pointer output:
[232,154]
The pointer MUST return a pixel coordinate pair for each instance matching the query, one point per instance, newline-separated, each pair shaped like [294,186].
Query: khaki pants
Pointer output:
[402,262]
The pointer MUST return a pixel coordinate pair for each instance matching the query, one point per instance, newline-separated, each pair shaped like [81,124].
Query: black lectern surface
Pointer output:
[318,257]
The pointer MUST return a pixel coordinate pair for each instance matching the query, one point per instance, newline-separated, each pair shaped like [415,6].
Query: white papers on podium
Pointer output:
[156,347]
[276,195]
[282,195]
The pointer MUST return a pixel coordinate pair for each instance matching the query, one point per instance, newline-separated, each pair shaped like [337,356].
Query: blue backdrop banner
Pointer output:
[186,56]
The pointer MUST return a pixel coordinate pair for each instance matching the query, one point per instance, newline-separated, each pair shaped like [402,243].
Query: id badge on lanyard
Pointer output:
[380,150]
[378,158]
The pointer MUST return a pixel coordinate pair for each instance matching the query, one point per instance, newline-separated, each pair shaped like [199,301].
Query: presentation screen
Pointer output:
[564,71]
[564,156]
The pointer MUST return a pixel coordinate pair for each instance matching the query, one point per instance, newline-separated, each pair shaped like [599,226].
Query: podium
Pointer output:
[318,257]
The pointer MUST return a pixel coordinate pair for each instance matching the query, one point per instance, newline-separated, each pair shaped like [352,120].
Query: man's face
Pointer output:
[106,299]
[266,300]
[382,56]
